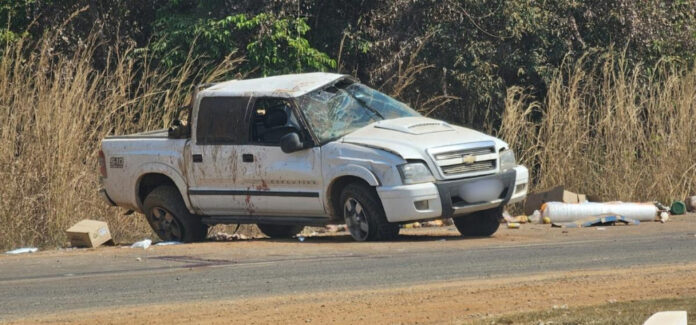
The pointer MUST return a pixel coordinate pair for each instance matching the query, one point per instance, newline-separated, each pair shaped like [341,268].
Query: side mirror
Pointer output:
[291,142]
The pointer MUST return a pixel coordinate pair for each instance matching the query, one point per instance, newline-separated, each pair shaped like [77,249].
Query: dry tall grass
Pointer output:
[53,112]
[609,131]
[603,130]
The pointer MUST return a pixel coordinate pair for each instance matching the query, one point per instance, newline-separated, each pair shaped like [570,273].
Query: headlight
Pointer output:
[414,173]
[507,160]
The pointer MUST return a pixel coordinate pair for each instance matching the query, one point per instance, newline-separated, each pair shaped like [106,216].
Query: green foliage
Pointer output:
[271,45]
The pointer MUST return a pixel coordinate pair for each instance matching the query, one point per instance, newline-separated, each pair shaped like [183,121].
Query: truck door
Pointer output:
[220,127]
[279,184]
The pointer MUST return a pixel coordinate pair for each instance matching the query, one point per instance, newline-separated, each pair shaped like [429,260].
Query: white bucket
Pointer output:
[560,212]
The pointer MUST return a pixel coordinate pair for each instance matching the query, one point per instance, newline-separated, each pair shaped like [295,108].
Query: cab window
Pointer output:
[272,118]
[221,120]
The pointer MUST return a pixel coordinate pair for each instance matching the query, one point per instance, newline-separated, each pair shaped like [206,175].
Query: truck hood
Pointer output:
[410,137]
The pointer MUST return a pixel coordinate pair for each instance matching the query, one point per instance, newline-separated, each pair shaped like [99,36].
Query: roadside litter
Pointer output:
[89,233]
[167,243]
[23,250]
[590,212]
[593,221]
[690,203]
[678,207]
[535,201]
[222,236]
[668,318]
[144,244]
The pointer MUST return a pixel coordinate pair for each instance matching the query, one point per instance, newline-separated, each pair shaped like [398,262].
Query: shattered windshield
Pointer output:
[337,110]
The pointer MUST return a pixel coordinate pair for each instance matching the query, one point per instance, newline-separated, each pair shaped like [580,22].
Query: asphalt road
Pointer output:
[116,277]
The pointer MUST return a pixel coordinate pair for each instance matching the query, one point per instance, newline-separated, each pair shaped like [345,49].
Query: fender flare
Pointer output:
[354,170]
[160,168]
[347,170]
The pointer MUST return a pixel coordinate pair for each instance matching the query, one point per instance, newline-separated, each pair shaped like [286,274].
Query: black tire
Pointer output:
[479,224]
[279,231]
[170,219]
[372,224]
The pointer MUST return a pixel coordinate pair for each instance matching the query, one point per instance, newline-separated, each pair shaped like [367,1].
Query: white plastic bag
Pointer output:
[144,244]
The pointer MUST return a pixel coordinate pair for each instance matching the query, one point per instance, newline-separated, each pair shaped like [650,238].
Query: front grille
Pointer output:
[462,153]
[465,160]
[464,168]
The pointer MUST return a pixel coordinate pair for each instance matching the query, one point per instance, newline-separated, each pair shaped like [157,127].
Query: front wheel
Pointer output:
[364,215]
[479,224]
[170,219]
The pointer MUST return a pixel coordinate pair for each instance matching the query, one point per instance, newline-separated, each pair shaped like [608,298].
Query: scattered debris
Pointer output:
[23,250]
[300,238]
[534,201]
[535,217]
[518,219]
[664,216]
[138,259]
[412,225]
[594,221]
[678,207]
[167,243]
[144,244]
[89,233]
[690,203]
[513,225]
[335,228]
[221,236]
[559,212]
[601,228]
[433,223]
[667,318]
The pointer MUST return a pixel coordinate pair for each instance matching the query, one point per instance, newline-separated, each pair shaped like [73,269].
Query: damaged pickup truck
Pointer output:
[290,151]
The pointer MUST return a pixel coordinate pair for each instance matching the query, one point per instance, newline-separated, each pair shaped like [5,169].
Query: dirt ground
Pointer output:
[452,302]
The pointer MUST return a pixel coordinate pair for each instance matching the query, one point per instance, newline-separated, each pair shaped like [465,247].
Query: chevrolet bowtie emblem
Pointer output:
[469,159]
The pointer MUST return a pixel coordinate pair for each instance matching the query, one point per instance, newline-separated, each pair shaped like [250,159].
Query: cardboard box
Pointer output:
[556,194]
[89,233]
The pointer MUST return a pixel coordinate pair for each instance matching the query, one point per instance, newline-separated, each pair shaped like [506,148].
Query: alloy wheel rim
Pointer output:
[356,220]
[166,226]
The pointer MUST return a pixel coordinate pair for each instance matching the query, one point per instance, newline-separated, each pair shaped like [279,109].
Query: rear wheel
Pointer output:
[479,224]
[364,215]
[170,219]
[279,231]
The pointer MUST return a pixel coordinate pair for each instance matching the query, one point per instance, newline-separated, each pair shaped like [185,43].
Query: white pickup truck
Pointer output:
[290,151]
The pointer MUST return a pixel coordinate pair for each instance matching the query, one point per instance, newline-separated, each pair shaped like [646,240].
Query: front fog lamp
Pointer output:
[415,173]
[507,160]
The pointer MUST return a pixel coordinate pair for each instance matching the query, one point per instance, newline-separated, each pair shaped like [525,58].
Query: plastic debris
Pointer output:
[594,221]
[138,259]
[167,243]
[668,318]
[664,216]
[144,244]
[560,212]
[678,207]
[535,217]
[690,203]
[513,225]
[23,250]
[300,238]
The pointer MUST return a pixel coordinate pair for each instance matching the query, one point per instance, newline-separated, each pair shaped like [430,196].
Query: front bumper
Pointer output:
[442,199]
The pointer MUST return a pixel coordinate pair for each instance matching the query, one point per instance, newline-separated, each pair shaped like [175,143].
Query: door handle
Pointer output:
[197,158]
[247,157]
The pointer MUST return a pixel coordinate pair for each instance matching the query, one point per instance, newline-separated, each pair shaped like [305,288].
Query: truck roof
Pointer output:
[287,86]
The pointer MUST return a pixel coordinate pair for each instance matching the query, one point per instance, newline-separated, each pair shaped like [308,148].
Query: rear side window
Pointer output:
[221,120]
